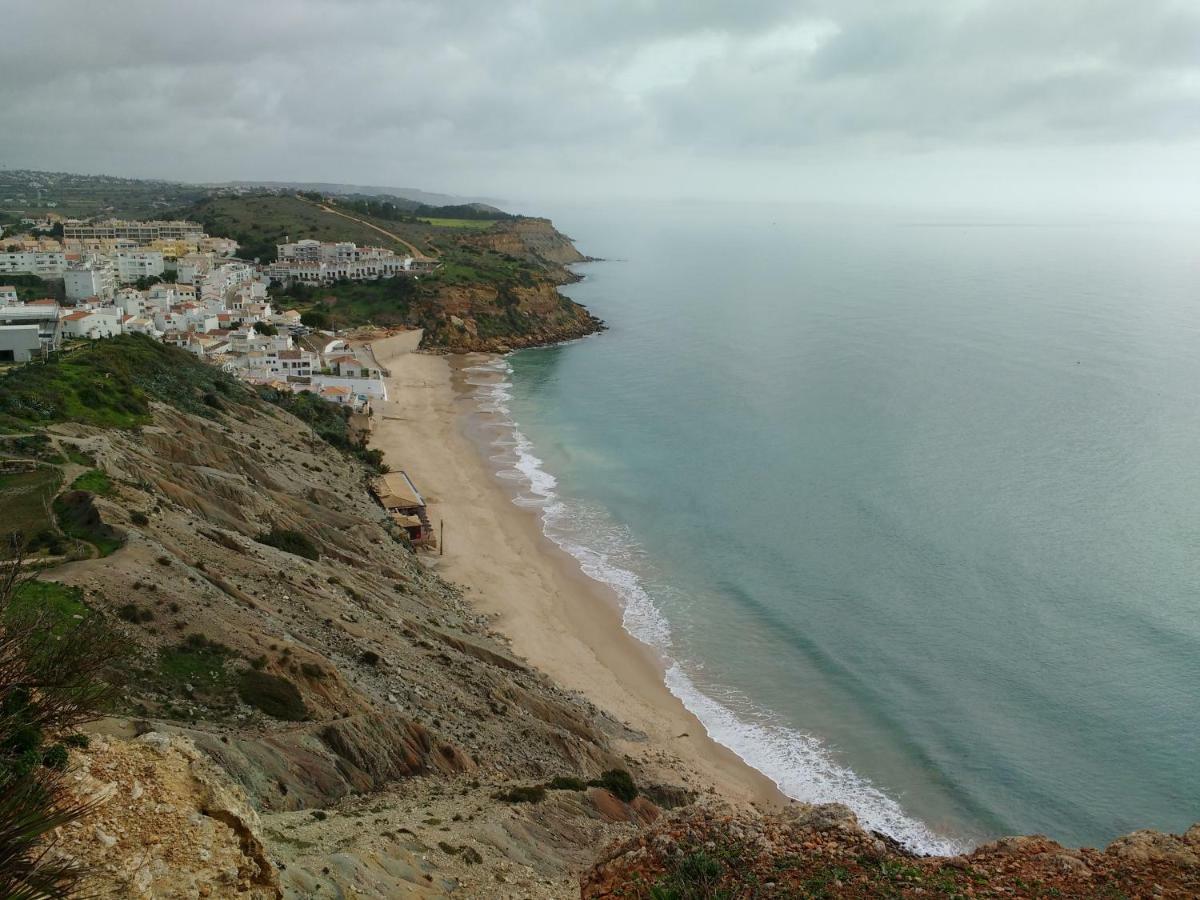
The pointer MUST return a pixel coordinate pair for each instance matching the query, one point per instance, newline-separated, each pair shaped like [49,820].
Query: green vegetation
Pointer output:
[56,660]
[111,383]
[567,783]
[92,195]
[95,481]
[30,287]
[26,498]
[697,875]
[78,518]
[531,794]
[290,542]
[474,224]
[275,696]
[619,783]
[60,605]
[258,222]
[344,304]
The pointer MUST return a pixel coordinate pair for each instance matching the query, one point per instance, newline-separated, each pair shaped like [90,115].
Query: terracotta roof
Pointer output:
[75,316]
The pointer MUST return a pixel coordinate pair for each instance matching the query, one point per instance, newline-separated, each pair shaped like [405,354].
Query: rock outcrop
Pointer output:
[821,851]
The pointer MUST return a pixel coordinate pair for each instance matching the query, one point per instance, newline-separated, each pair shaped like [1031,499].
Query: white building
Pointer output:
[316,262]
[43,263]
[8,295]
[95,278]
[141,232]
[191,267]
[43,314]
[135,264]
[218,285]
[92,324]
[19,343]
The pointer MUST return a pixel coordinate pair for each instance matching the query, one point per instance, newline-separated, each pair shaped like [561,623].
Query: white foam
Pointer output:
[799,764]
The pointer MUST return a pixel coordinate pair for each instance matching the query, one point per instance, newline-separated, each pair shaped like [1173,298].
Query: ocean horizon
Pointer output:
[903,505]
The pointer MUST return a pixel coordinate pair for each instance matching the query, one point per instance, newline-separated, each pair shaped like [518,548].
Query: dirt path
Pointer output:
[412,248]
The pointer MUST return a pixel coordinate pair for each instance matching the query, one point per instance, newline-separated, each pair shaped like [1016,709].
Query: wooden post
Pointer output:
[441,536]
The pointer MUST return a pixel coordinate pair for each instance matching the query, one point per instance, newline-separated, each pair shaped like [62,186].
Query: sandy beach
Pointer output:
[557,618]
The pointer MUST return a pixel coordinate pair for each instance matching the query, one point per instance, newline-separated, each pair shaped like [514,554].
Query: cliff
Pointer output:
[370,720]
[498,318]
[821,851]
[533,239]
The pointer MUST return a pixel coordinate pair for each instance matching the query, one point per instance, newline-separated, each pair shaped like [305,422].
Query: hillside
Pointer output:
[323,676]
[495,289]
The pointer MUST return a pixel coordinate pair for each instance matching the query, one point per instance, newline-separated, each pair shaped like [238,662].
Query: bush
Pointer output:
[275,696]
[617,782]
[532,794]
[131,612]
[567,783]
[56,658]
[369,658]
[140,519]
[292,542]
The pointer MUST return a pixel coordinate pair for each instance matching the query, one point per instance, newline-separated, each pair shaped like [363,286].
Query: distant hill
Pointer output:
[415,195]
[28,191]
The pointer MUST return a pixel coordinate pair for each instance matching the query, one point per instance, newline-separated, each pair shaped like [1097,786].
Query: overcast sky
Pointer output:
[1041,104]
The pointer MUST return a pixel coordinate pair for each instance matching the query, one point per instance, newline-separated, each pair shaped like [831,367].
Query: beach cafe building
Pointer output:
[399,496]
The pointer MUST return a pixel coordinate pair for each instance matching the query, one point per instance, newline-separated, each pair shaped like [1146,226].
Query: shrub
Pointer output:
[275,696]
[94,481]
[619,783]
[290,542]
[532,794]
[54,671]
[312,670]
[369,658]
[140,519]
[567,783]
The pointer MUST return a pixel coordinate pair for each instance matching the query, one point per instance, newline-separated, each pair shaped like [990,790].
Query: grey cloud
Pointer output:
[488,97]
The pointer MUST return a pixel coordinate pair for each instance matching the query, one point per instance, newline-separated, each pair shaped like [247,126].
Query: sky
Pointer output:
[1083,106]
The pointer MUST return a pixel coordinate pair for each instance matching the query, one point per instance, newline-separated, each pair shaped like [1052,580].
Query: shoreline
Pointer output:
[561,621]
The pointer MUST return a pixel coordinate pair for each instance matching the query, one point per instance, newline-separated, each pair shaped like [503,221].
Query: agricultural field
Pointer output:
[29,193]
[472,224]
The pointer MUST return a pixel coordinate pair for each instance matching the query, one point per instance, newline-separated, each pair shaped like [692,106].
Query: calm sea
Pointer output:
[912,509]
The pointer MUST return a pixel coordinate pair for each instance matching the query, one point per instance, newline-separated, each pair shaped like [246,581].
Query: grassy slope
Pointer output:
[258,222]
[111,383]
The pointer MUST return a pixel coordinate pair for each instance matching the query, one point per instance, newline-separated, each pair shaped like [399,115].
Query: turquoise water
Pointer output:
[912,510]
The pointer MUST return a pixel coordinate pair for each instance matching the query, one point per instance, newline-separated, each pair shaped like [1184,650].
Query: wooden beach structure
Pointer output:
[396,493]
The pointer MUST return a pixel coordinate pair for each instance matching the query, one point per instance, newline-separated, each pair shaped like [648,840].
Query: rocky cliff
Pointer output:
[498,318]
[822,851]
[536,240]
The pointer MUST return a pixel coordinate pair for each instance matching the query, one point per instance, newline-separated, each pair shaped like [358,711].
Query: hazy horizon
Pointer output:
[1085,109]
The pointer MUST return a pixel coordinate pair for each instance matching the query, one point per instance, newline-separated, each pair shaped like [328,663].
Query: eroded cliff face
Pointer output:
[313,686]
[533,239]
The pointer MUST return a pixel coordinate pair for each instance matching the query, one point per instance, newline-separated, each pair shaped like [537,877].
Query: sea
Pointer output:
[909,505]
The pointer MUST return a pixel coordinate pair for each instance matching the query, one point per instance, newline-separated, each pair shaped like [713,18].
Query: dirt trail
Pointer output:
[412,248]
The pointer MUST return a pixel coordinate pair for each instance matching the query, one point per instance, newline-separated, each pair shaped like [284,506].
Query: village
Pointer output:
[170,281]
